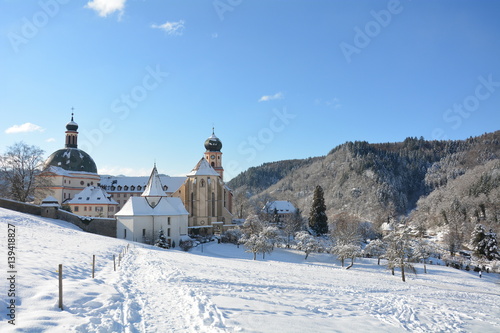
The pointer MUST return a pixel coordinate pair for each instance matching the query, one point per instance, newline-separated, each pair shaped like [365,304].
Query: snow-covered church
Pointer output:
[142,217]
[201,197]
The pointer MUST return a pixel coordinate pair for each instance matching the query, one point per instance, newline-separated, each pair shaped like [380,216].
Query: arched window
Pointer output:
[202,183]
[213,204]
[192,203]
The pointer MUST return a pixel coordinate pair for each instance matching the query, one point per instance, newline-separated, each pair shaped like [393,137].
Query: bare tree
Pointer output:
[345,233]
[19,166]
[399,250]
[292,224]
[376,248]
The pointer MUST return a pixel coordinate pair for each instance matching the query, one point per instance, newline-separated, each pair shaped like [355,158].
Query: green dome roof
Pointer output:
[72,159]
[213,143]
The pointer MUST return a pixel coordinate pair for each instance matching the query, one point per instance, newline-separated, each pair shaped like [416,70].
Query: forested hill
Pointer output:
[257,179]
[373,181]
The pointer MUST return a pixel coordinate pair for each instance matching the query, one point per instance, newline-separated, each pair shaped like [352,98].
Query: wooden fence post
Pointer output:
[60,287]
[114,263]
[93,265]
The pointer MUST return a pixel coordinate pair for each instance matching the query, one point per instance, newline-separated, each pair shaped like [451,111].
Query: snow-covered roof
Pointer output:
[203,169]
[93,195]
[386,227]
[114,184]
[282,207]
[167,206]
[61,172]
[50,201]
[154,188]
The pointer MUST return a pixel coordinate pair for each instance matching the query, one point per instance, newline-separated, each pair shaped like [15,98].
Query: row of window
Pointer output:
[131,188]
[144,232]
[97,209]
[68,181]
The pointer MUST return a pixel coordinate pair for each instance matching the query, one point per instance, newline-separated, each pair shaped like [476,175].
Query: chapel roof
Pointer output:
[154,188]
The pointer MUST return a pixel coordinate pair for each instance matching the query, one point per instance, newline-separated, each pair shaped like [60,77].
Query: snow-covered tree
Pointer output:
[346,237]
[162,240]
[257,237]
[345,251]
[306,242]
[484,243]
[376,248]
[292,225]
[318,220]
[252,244]
[268,237]
[422,250]
[252,226]
[399,250]
[18,168]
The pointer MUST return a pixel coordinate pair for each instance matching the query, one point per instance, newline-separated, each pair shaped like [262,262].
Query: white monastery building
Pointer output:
[142,217]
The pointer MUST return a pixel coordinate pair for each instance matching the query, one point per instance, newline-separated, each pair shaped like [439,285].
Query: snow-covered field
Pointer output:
[222,290]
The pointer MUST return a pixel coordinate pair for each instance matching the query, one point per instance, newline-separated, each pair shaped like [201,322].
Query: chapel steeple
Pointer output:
[154,190]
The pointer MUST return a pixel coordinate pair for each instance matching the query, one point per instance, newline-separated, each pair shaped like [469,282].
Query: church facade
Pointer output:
[202,192]
[69,170]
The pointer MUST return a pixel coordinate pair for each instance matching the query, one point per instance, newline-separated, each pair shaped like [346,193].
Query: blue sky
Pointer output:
[278,79]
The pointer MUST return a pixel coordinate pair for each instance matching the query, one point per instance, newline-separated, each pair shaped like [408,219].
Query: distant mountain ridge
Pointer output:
[372,181]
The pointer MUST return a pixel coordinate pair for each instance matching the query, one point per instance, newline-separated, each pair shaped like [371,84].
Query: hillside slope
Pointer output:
[377,181]
[219,288]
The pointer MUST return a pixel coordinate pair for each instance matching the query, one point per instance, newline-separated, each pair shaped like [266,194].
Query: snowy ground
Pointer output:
[222,290]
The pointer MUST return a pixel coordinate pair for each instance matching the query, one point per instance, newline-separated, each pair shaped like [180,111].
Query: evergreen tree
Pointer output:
[318,221]
[477,239]
[484,243]
[162,240]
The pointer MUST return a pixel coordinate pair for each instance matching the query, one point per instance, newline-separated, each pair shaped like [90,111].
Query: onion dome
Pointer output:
[72,126]
[71,158]
[213,143]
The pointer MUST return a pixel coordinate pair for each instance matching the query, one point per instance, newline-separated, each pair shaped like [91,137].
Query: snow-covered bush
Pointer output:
[231,236]
[186,245]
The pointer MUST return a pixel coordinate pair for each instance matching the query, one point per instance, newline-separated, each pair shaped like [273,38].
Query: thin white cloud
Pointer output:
[267,98]
[50,140]
[24,128]
[332,103]
[106,7]
[171,28]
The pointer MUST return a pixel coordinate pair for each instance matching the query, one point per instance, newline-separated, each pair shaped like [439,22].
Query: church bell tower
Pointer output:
[213,155]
